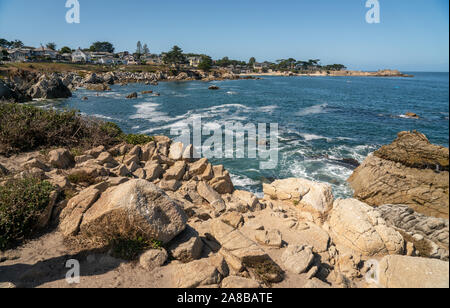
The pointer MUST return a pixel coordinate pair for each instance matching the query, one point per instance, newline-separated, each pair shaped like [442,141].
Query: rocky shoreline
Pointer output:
[212,235]
[23,86]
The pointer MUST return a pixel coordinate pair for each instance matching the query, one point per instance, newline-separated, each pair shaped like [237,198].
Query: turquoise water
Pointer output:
[322,120]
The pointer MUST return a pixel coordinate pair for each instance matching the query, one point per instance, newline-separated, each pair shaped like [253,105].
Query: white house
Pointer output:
[80,56]
[194,61]
[109,61]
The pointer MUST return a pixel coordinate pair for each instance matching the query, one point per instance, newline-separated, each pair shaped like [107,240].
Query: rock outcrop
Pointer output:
[429,235]
[361,228]
[409,171]
[49,87]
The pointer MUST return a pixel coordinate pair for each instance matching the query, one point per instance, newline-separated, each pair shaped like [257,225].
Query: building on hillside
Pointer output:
[79,56]
[194,61]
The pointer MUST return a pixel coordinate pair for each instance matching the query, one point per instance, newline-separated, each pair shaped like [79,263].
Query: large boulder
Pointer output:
[49,87]
[410,272]
[136,207]
[312,195]
[361,228]
[410,171]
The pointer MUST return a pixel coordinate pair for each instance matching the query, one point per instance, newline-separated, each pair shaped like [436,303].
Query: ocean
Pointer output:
[325,123]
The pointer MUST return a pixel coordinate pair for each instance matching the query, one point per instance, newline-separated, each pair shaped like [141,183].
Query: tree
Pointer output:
[16,44]
[4,43]
[4,55]
[51,46]
[251,62]
[206,63]
[175,57]
[102,47]
[65,49]
[145,50]
[139,49]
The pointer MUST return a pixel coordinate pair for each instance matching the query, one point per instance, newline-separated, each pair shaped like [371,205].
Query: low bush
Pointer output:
[131,249]
[21,204]
[81,177]
[27,128]
[137,139]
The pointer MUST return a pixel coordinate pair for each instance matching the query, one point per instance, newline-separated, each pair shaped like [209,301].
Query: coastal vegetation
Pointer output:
[27,128]
[22,202]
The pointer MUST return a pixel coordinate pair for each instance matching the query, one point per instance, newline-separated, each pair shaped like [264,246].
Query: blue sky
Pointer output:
[413,34]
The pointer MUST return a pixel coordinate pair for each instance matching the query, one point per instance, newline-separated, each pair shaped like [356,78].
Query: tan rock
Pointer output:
[153,258]
[411,272]
[361,228]
[153,170]
[210,195]
[176,172]
[61,158]
[196,274]
[270,238]
[298,259]
[176,151]
[235,282]
[72,214]
[136,206]
[313,195]
[409,171]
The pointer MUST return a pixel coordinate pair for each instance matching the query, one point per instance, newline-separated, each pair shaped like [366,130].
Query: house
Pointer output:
[97,55]
[66,57]
[80,56]
[45,52]
[194,61]
[153,59]
[20,54]
[109,61]
[130,60]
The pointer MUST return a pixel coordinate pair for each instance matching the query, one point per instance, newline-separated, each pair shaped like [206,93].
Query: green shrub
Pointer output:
[26,128]
[82,177]
[21,204]
[131,249]
[137,139]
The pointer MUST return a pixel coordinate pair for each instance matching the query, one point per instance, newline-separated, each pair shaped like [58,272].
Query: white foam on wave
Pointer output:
[243,181]
[313,110]
[268,109]
[149,112]
[309,137]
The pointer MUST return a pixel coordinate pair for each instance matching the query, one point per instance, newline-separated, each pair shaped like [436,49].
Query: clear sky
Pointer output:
[413,34]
